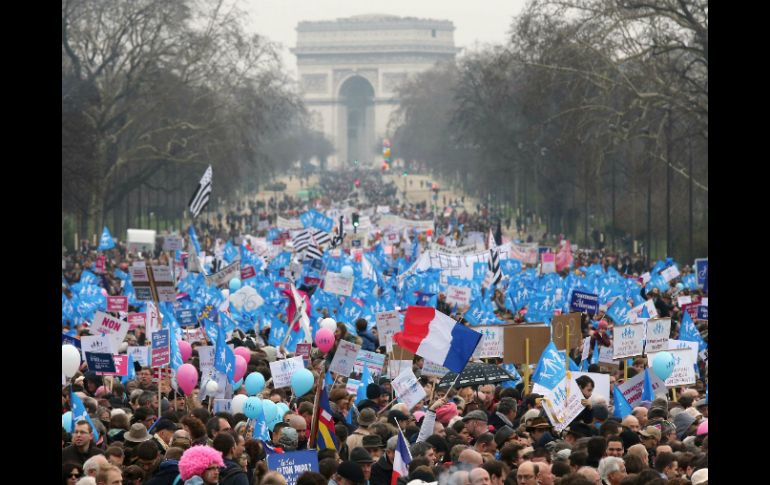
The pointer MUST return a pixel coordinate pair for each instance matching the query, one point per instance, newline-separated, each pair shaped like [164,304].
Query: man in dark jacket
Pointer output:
[368,340]
[382,471]
[505,414]
[168,470]
[233,473]
[82,447]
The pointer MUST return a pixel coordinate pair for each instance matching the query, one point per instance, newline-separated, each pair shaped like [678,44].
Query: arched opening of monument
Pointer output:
[357,120]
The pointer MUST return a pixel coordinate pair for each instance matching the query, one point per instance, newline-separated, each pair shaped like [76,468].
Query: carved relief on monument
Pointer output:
[315,83]
[391,81]
[340,75]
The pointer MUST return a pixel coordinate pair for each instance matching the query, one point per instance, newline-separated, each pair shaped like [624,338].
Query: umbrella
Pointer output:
[476,374]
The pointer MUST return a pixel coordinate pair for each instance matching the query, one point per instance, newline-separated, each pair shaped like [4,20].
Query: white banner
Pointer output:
[458,295]
[408,388]
[289,224]
[658,331]
[282,370]
[632,388]
[684,372]
[338,284]
[560,409]
[627,340]
[344,358]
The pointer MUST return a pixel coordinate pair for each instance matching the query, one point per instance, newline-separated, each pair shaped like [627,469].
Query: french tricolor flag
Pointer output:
[401,460]
[437,337]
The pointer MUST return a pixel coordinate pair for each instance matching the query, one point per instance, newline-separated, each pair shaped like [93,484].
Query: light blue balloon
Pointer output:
[238,385]
[66,421]
[346,271]
[663,365]
[270,411]
[235,285]
[301,382]
[283,408]
[252,408]
[255,382]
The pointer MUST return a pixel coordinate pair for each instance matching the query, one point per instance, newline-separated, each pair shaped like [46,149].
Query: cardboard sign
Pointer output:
[248,272]
[100,362]
[352,386]
[491,343]
[632,388]
[173,243]
[388,323]
[408,388]
[395,367]
[338,284]
[703,312]
[303,350]
[658,331]
[432,369]
[345,358]
[292,464]
[684,300]
[221,279]
[141,355]
[186,317]
[136,320]
[561,409]
[374,361]
[458,295]
[548,263]
[584,302]
[605,355]
[646,277]
[701,270]
[117,304]
[586,348]
[161,353]
[121,366]
[514,337]
[96,344]
[282,370]
[105,324]
[99,264]
[559,325]
[628,340]
[669,273]
[601,383]
[684,372]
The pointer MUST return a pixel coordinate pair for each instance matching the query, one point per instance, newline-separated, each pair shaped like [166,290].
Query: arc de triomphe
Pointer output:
[349,70]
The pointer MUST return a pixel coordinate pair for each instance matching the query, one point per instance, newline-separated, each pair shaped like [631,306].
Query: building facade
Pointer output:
[349,70]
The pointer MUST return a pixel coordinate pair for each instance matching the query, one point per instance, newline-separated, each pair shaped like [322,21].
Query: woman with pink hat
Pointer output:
[200,465]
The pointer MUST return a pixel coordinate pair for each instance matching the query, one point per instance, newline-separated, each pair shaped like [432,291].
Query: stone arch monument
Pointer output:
[349,70]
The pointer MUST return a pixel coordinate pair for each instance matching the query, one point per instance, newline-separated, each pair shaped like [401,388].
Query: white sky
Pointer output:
[475,21]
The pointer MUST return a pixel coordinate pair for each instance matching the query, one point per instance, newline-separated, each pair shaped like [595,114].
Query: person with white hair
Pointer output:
[86,481]
[591,474]
[91,466]
[612,470]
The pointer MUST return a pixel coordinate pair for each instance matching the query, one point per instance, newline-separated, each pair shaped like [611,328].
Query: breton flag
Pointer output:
[494,275]
[437,337]
[301,241]
[201,196]
[401,460]
[313,250]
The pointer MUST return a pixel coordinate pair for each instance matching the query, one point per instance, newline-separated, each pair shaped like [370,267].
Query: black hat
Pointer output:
[373,391]
[351,471]
[373,441]
[397,415]
[360,455]
[165,423]
[579,429]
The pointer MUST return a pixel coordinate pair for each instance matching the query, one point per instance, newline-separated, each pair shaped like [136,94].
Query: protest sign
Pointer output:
[606,362]
[290,465]
[458,295]
[221,279]
[646,277]
[559,325]
[352,386]
[223,405]
[548,263]
[395,367]
[98,344]
[121,366]
[117,304]
[282,370]
[136,320]
[66,339]
[303,350]
[491,343]
[584,302]
[703,312]
[388,323]
[586,348]
[160,354]
[100,362]
[658,331]
[560,409]
[684,300]
[206,362]
[344,358]
[248,272]
[338,284]
[186,317]
[632,388]
[701,270]
[601,382]
[246,299]
[408,388]
[173,243]
[669,273]
[514,338]
[684,372]
[627,340]
[432,369]
[115,328]
[141,355]
[372,360]
[99,264]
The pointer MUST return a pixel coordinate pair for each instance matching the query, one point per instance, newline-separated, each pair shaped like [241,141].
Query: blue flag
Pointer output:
[194,239]
[224,358]
[80,413]
[621,408]
[689,333]
[262,433]
[366,379]
[647,394]
[328,381]
[106,241]
[619,311]
[550,368]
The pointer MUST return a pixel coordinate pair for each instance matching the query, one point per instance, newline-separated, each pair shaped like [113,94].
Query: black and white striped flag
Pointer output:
[201,196]
[494,275]
[301,240]
[313,250]
[322,237]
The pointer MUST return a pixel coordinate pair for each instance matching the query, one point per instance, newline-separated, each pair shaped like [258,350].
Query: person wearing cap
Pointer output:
[382,470]
[396,416]
[164,432]
[702,407]
[576,430]
[348,473]
[539,430]
[700,477]
[476,424]
[650,437]
[504,435]
[361,456]
[374,445]
[289,439]
[366,417]
[136,434]
[600,336]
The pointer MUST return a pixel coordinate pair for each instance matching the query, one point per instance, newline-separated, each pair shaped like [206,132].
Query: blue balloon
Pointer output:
[283,408]
[252,408]
[255,382]
[301,382]
[270,411]
[663,365]
[66,421]
[235,285]
[238,385]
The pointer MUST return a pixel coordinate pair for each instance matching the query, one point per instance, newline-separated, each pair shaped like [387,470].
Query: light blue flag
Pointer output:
[328,381]
[690,333]
[595,354]
[230,253]
[511,368]
[550,368]
[176,356]
[475,313]
[647,393]
[572,365]
[131,372]
[224,358]
[106,241]
[366,379]
[261,432]
[80,413]
[619,311]
[194,239]
[621,408]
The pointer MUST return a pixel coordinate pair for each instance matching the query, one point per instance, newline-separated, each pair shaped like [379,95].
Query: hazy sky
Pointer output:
[475,21]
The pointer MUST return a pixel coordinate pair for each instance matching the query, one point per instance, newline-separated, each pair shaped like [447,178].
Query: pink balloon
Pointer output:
[187,378]
[185,349]
[104,292]
[243,352]
[240,368]
[324,339]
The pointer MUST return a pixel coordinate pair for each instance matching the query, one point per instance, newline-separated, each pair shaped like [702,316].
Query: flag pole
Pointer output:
[316,405]
[566,363]
[526,368]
